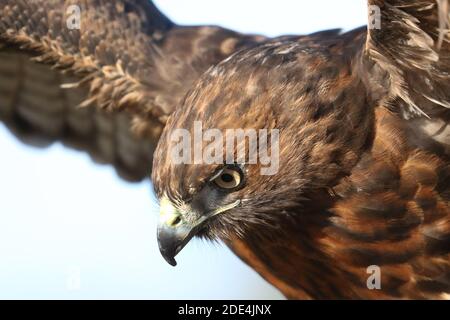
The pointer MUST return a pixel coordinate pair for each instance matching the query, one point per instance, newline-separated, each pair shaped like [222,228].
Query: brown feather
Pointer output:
[360,182]
[127,56]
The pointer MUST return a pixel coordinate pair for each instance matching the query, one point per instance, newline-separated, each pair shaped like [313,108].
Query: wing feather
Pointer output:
[107,87]
[411,50]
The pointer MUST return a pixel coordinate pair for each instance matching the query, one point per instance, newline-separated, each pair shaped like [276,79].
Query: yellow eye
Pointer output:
[228,179]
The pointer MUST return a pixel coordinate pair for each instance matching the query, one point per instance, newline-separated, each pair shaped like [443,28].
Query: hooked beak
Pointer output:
[174,232]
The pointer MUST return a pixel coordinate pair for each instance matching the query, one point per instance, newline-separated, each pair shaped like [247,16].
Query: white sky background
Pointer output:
[73,229]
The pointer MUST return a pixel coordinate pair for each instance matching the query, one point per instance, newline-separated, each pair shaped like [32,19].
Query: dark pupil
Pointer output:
[227,178]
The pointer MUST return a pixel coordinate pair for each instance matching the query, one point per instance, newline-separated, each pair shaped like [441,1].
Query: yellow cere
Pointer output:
[168,214]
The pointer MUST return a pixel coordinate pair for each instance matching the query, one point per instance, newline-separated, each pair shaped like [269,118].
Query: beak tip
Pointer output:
[172,262]
[167,247]
[168,255]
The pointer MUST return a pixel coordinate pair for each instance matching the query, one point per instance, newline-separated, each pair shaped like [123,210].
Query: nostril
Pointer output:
[176,221]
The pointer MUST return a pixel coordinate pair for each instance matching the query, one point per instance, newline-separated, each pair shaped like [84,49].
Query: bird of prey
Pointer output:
[363,179]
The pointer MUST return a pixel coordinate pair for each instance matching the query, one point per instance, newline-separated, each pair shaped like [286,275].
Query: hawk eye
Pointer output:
[229,178]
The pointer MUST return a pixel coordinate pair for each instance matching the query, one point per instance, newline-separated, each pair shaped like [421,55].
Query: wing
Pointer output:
[104,75]
[394,212]
[408,45]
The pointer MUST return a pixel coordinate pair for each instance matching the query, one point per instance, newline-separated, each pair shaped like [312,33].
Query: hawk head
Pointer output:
[298,102]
